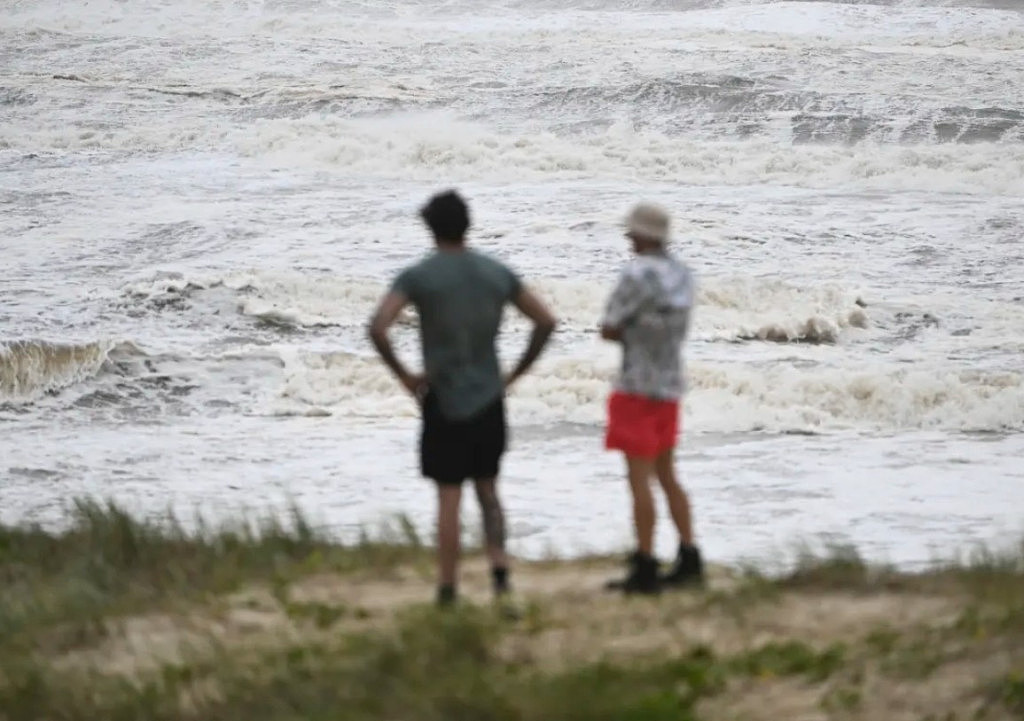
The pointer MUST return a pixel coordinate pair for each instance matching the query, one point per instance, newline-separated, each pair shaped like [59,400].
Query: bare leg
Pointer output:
[494,521]
[678,501]
[640,472]
[449,498]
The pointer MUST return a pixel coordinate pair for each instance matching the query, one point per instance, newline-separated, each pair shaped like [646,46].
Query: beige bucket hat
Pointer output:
[649,221]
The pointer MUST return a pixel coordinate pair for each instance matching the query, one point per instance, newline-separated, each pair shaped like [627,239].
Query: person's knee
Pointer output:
[670,481]
[665,466]
[641,466]
[642,492]
[486,489]
[490,508]
[667,477]
[449,496]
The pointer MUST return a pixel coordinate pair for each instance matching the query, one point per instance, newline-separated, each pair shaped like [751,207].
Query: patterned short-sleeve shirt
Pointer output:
[651,307]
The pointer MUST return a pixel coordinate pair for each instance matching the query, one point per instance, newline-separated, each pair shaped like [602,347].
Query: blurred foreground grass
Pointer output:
[115,619]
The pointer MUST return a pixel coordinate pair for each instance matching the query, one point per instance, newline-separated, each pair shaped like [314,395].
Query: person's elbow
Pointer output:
[377,331]
[546,323]
[535,310]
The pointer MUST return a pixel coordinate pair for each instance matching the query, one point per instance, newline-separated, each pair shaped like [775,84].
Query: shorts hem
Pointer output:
[451,480]
[445,481]
[634,452]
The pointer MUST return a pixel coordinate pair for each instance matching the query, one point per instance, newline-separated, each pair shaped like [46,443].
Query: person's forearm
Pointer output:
[538,340]
[387,353]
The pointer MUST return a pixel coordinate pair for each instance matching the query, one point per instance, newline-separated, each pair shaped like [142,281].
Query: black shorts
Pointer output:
[453,450]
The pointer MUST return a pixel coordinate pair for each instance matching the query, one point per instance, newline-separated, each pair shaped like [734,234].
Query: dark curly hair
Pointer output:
[447,216]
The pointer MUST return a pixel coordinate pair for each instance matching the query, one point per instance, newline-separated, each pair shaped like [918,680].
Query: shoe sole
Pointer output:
[620,587]
[694,584]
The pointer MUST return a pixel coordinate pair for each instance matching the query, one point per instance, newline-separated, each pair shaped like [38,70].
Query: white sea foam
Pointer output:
[353,19]
[425,145]
[32,368]
[864,22]
[232,184]
[723,397]
[422,146]
[875,397]
[729,308]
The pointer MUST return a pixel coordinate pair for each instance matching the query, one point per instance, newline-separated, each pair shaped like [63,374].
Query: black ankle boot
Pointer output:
[445,596]
[642,578]
[688,570]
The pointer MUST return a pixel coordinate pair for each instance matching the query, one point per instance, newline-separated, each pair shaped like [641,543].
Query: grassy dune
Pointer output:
[117,619]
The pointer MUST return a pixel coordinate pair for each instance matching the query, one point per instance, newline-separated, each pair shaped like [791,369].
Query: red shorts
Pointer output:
[641,427]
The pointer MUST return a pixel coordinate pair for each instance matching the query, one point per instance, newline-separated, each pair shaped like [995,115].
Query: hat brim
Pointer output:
[646,232]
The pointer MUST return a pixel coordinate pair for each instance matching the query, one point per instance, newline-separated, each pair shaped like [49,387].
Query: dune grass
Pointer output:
[280,628]
[57,589]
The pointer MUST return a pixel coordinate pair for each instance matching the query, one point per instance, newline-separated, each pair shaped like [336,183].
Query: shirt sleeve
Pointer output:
[515,283]
[405,284]
[625,301]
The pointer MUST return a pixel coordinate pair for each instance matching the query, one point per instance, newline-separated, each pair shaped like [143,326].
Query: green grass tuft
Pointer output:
[58,589]
[435,666]
[791,658]
[841,567]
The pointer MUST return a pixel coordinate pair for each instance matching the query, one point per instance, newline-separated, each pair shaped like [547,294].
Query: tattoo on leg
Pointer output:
[494,521]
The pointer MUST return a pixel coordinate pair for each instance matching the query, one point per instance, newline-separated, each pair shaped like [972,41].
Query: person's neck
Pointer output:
[451,246]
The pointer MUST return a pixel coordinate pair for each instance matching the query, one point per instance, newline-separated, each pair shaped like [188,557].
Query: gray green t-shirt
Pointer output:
[460,297]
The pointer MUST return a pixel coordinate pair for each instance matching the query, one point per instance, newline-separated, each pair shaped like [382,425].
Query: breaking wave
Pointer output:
[730,308]
[731,107]
[278,299]
[796,396]
[30,369]
[420,146]
[723,397]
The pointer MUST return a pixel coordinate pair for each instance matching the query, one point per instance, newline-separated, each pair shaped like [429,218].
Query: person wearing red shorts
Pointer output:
[648,313]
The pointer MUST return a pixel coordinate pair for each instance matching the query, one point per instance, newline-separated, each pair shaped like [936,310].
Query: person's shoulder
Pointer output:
[634,266]
[428,259]
[679,276]
[642,268]
[681,266]
[498,274]
[487,260]
[408,276]
[423,264]
[494,265]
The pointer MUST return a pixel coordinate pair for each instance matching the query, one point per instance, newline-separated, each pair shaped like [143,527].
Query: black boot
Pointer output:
[642,578]
[688,570]
[445,596]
